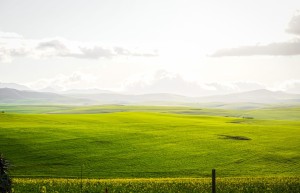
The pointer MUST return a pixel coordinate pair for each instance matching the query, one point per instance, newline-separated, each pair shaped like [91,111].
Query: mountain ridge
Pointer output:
[253,98]
[14,86]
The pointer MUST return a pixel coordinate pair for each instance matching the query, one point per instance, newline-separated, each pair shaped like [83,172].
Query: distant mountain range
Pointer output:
[250,99]
[75,91]
[114,98]
[256,96]
[14,86]
[14,96]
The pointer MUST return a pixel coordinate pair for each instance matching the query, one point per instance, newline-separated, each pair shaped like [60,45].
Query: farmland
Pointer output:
[123,142]
[159,185]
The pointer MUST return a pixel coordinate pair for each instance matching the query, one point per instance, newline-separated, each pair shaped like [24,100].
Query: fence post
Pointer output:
[213,182]
[81,180]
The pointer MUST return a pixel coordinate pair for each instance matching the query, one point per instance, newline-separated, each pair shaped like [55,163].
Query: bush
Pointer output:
[5,181]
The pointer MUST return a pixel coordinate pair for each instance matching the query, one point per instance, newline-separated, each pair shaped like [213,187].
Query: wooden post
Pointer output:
[213,182]
[81,180]
[106,190]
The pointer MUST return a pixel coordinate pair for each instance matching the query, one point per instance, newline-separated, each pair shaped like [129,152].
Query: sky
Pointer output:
[186,47]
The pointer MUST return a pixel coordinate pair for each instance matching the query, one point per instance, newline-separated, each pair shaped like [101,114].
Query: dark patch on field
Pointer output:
[242,121]
[233,137]
[280,158]
[247,117]
[102,142]
[236,121]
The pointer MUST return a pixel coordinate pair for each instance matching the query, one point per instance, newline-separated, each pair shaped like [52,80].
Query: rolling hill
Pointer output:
[256,96]
[13,86]
[13,96]
[245,100]
[137,144]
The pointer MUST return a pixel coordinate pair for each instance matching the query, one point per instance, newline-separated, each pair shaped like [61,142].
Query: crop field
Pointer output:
[258,148]
[158,185]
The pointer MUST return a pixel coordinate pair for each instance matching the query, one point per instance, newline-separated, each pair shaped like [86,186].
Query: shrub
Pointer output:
[5,181]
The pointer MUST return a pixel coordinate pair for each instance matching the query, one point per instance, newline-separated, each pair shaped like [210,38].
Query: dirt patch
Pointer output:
[232,137]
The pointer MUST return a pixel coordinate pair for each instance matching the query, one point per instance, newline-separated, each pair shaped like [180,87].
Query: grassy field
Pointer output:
[151,148]
[272,112]
[135,142]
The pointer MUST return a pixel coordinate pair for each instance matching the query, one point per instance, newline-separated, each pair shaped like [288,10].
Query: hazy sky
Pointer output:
[180,46]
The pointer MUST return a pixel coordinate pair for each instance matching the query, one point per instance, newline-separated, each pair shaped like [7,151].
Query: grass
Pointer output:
[272,112]
[159,185]
[151,149]
[150,142]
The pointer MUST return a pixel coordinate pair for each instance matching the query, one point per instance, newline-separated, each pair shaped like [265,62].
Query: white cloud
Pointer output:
[160,81]
[7,54]
[65,82]
[294,25]
[165,82]
[9,35]
[238,86]
[16,46]
[287,48]
[291,86]
[55,44]
[273,49]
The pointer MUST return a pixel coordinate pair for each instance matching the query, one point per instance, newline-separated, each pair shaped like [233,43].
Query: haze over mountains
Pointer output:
[14,96]
[14,86]
[18,94]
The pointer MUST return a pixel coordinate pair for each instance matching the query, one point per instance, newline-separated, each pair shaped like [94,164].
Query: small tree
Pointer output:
[5,181]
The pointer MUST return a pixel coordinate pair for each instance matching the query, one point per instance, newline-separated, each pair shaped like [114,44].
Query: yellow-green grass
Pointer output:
[272,112]
[149,144]
[158,185]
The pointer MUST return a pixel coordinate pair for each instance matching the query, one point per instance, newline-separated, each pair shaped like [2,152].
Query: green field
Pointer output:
[135,142]
[150,148]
